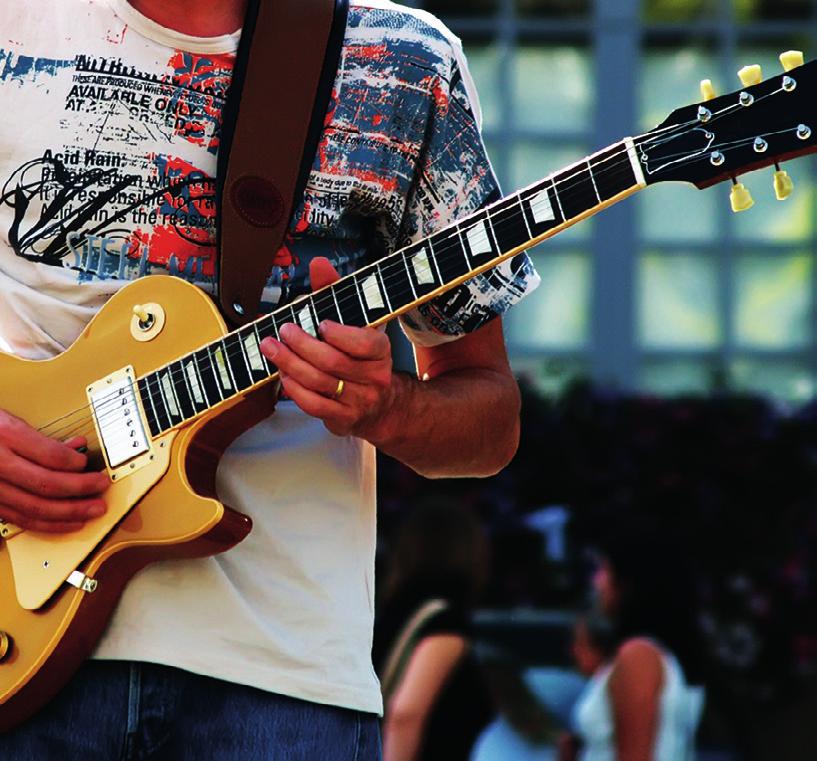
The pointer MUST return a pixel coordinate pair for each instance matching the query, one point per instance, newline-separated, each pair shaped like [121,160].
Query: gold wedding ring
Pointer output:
[339,389]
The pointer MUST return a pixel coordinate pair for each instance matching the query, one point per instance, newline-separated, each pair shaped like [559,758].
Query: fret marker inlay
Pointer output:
[306,322]
[541,209]
[254,353]
[371,293]
[422,269]
[193,379]
[478,239]
[223,373]
[169,395]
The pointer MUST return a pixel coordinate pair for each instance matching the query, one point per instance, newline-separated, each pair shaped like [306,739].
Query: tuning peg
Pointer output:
[783,184]
[791,59]
[740,197]
[707,90]
[751,75]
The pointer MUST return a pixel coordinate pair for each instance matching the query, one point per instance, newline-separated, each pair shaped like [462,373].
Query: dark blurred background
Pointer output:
[668,361]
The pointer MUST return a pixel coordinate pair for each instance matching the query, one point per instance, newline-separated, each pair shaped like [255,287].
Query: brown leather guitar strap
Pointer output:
[282,82]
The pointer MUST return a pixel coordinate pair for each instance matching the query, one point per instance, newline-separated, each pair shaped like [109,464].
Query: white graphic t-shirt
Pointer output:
[109,134]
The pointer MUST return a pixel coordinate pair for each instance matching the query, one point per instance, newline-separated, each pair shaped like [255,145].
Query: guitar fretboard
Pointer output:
[219,371]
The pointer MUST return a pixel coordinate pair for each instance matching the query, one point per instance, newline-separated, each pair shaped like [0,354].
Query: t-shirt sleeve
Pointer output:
[455,179]
[452,620]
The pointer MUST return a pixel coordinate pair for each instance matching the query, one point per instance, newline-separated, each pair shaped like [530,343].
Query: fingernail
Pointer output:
[286,330]
[323,327]
[270,348]
[96,510]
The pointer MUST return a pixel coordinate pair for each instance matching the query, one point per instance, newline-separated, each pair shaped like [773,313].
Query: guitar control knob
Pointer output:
[791,59]
[6,644]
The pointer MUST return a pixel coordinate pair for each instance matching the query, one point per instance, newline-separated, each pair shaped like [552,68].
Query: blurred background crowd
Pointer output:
[668,365]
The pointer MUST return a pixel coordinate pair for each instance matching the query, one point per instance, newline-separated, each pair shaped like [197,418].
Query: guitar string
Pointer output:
[440,249]
[518,197]
[441,254]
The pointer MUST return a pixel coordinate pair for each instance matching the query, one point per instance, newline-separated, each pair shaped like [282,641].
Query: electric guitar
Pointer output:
[159,405]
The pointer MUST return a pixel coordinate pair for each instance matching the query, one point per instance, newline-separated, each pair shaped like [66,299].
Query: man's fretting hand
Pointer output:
[42,483]
[310,369]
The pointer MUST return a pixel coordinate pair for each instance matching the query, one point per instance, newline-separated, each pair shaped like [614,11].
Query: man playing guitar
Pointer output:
[108,145]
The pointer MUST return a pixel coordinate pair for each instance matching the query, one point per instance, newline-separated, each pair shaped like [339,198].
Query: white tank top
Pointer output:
[680,711]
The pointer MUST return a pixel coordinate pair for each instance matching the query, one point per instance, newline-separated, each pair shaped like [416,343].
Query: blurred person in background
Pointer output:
[593,649]
[436,702]
[645,704]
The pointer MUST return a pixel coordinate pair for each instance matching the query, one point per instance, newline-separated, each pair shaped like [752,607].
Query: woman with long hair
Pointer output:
[645,705]
[435,701]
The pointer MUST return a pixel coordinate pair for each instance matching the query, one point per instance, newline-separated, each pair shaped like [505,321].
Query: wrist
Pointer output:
[390,424]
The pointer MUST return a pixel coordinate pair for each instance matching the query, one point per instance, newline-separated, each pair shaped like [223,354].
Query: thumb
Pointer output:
[322,273]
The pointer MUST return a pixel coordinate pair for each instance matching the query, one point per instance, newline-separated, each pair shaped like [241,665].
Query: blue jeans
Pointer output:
[118,711]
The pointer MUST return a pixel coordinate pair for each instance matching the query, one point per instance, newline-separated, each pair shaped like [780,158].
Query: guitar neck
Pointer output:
[395,284]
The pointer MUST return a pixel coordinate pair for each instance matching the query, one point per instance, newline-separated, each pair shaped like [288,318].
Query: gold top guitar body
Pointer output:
[156,512]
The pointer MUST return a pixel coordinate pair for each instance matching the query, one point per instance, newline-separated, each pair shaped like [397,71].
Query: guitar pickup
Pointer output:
[120,422]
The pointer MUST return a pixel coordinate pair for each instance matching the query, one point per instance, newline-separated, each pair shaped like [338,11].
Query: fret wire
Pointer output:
[593,180]
[226,354]
[490,225]
[186,381]
[337,306]
[359,295]
[552,179]
[520,202]
[310,303]
[242,350]
[463,245]
[213,371]
[152,405]
[170,383]
[434,259]
[381,281]
[263,356]
[200,378]
[408,273]
[167,414]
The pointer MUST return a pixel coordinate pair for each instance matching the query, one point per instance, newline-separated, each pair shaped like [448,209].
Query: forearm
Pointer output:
[462,423]
[402,738]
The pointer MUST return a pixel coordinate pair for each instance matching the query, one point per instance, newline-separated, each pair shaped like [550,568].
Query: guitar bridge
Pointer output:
[120,423]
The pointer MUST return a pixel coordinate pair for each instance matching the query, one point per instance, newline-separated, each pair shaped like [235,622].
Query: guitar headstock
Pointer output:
[762,124]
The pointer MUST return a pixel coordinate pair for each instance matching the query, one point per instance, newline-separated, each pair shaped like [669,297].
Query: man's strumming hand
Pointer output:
[42,483]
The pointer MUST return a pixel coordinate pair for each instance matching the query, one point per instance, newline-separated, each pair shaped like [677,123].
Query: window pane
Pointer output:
[555,316]
[672,10]
[483,61]
[785,380]
[673,377]
[553,8]
[680,213]
[773,301]
[671,78]
[678,302]
[533,161]
[561,100]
